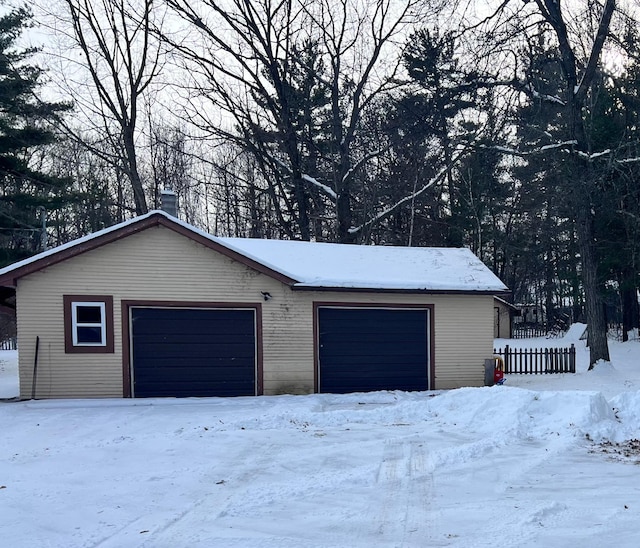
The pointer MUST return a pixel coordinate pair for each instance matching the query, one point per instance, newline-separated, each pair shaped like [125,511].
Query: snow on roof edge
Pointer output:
[74,243]
[89,237]
[301,283]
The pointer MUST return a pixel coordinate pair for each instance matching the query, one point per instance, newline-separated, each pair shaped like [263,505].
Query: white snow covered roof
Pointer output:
[324,265]
[308,264]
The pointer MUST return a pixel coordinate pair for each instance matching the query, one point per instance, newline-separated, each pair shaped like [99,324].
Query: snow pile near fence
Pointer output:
[9,374]
[575,332]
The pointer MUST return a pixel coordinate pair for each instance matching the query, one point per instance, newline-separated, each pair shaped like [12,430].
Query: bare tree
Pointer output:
[361,44]
[242,65]
[121,59]
[294,79]
[239,196]
[171,167]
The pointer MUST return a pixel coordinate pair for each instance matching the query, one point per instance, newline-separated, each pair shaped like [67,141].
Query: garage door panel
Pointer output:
[183,352]
[193,338]
[365,331]
[382,370]
[370,365]
[187,390]
[188,362]
[170,329]
[374,320]
[164,321]
[176,350]
[372,338]
[371,349]
[365,349]
[161,375]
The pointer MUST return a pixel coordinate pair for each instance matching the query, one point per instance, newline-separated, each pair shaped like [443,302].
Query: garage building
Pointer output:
[154,307]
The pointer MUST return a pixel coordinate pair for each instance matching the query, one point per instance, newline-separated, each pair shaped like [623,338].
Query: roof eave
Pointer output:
[10,278]
[415,291]
[506,303]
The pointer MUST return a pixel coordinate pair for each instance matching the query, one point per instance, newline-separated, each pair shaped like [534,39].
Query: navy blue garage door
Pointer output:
[193,352]
[367,349]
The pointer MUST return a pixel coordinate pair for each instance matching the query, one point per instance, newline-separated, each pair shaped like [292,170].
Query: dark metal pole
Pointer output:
[35,370]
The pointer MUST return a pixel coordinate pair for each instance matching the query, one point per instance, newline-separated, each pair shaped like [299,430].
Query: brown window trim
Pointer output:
[69,348]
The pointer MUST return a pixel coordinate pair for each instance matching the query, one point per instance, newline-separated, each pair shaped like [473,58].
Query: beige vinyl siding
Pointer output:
[464,339]
[288,344]
[159,264]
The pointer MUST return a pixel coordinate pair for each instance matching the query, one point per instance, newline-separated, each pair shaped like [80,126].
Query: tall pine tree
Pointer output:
[25,125]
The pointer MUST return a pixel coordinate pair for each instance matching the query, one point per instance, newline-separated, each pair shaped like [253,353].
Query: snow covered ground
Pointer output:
[541,461]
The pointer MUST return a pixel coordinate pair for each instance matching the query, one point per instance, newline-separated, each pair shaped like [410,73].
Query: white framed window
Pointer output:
[89,324]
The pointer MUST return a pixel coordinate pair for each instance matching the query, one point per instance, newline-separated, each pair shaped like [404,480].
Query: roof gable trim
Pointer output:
[153,219]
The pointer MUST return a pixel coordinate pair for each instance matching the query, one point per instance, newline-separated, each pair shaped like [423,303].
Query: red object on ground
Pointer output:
[498,373]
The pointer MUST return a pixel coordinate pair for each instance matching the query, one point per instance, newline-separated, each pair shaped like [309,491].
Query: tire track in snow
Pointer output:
[158,529]
[405,484]
[150,530]
[213,504]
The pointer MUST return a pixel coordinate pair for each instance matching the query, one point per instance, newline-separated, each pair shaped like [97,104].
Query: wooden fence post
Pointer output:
[572,358]
[507,367]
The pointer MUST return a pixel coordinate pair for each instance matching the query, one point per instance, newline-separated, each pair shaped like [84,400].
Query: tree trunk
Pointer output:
[343,210]
[628,296]
[302,202]
[550,315]
[596,324]
[254,216]
[579,191]
[132,172]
